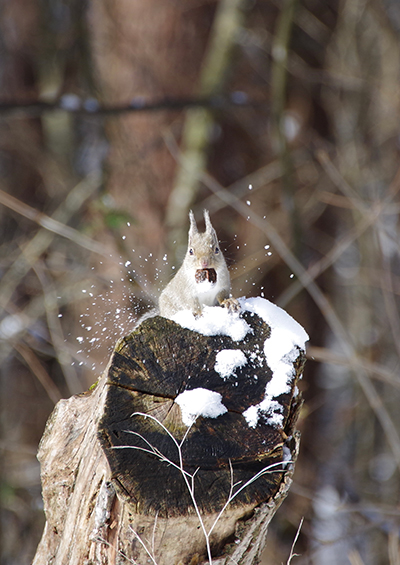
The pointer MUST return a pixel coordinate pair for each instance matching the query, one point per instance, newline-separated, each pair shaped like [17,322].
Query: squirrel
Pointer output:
[203,278]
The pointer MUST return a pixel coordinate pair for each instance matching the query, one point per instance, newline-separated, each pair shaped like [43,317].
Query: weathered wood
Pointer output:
[108,502]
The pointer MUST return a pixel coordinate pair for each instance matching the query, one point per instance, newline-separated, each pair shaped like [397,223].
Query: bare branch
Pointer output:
[51,224]
[292,554]
[91,107]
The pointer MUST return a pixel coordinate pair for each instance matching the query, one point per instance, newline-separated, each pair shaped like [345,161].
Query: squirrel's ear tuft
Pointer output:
[209,226]
[208,221]
[193,225]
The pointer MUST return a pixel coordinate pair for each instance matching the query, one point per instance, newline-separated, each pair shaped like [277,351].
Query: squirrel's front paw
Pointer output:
[232,304]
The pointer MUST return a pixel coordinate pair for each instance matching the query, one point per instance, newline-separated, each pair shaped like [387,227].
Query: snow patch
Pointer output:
[199,402]
[251,416]
[214,321]
[280,350]
[277,318]
[227,360]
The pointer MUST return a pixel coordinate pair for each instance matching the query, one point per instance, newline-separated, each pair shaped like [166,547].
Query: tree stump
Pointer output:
[132,474]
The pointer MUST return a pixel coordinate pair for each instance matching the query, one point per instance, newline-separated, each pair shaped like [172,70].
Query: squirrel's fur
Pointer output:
[184,292]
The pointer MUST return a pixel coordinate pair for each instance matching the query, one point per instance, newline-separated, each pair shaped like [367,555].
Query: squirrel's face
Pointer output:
[204,252]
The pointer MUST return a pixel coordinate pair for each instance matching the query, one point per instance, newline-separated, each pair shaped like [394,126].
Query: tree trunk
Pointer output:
[127,479]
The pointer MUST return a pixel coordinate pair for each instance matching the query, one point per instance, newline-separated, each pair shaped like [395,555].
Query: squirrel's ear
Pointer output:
[193,225]
[209,227]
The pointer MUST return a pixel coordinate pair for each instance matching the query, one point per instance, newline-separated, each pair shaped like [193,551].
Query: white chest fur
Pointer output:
[207,291]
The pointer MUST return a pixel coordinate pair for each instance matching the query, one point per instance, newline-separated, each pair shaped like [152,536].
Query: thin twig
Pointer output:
[292,554]
[189,478]
[51,224]
[42,240]
[56,333]
[376,371]
[121,553]
[333,255]
[143,544]
[154,533]
[39,371]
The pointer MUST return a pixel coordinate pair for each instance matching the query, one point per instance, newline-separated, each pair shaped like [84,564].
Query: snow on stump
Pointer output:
[185,448]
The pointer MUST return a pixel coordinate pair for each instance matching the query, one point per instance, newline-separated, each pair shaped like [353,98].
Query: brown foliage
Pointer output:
[318,141]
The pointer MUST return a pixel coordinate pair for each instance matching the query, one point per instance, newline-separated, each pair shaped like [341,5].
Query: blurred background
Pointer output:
[282,118]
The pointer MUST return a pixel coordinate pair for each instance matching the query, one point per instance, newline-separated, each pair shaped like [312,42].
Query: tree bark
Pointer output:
[113,482]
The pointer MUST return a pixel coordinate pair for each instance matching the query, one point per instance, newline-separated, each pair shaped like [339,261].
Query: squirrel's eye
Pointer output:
[216,250]
[190,251]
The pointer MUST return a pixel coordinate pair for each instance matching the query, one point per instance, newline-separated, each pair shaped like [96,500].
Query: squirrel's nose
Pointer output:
[204,263]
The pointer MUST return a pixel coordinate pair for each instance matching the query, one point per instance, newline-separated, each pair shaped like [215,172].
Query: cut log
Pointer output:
[127,479]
